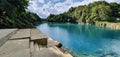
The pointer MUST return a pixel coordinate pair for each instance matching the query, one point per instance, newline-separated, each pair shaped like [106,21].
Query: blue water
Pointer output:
[85,40]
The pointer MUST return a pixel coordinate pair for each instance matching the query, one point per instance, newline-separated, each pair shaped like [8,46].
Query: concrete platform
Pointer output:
[5,34]
[28,43]
[13,46]
[21,34]
[21,53]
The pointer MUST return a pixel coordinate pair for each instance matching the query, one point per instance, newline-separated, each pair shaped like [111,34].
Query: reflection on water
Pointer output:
[85,40]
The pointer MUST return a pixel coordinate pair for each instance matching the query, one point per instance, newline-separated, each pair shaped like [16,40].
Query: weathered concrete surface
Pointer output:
[13,46]
[50,52]
[38,37]
[31,46]
[5,34]
[21,53]
[22,33]
[36,34]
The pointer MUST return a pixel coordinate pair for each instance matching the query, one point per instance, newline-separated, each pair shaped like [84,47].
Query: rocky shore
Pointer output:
[115,26]
[29,43]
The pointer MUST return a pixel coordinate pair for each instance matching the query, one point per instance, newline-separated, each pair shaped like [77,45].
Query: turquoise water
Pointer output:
[85,40]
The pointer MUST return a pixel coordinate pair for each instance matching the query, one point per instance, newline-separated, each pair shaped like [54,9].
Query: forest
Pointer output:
[97,11]
[13,14]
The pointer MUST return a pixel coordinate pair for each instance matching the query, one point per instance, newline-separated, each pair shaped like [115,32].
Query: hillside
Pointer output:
[97,11]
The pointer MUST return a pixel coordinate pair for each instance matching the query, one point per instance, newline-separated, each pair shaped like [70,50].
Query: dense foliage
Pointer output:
[13,14]
[97,11]
[62,18]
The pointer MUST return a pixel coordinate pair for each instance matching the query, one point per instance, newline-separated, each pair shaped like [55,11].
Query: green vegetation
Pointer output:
[62,18]
[13,14]
[97,11]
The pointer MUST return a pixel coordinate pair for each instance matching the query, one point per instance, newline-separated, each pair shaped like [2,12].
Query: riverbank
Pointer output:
[111,25]
[29,43]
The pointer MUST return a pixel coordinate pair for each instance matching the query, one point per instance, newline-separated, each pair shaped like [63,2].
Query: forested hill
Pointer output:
[97,11]
[13,14]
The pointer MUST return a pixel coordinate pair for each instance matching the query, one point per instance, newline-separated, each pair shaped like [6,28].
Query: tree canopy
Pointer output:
[13,14]
[97,11]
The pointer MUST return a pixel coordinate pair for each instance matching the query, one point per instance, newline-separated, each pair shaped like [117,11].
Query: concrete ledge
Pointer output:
[36,34]
[5,34]
[21,34]
[38,37]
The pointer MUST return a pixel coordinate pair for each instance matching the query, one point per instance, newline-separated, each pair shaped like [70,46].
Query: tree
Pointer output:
[14,15]
[97,11]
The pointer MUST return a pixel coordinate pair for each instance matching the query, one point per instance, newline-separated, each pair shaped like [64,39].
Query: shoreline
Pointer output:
[112,25]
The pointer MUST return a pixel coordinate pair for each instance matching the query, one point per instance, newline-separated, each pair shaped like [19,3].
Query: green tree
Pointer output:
[13,14]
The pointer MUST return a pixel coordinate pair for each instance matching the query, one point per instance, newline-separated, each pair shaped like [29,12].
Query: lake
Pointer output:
[85,40]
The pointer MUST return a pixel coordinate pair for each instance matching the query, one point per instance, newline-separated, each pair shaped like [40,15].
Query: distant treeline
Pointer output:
[13,14]
[97,11]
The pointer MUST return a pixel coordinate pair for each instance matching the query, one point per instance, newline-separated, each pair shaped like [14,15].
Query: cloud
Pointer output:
[118,1]
[43,8]
[40,1]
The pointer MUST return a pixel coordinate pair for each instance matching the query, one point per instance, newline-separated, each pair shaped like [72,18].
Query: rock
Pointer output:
[51,43]
[112,53]
[99,51]
[21,34]
[5,34]
[85,54]
[109,56]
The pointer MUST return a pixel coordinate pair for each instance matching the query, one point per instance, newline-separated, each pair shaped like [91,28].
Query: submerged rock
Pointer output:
[102,53]
[109,56]
[99,51]
[85,54]
[112,54]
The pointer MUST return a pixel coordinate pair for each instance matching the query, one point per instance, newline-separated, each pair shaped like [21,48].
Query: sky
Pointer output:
[43,8]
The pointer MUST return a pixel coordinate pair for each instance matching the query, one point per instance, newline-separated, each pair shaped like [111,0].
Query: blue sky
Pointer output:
[43,8]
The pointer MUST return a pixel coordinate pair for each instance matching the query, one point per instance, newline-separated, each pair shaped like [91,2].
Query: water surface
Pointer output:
[85,40]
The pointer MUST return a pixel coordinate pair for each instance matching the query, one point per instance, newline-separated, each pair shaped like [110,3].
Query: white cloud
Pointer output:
[118,1]
[56,6]
[40,1]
